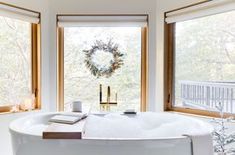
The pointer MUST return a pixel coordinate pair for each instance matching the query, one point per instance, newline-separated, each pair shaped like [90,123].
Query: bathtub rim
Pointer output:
[14,130]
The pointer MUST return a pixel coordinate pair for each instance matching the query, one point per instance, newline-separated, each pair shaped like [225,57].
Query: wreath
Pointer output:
[95,68]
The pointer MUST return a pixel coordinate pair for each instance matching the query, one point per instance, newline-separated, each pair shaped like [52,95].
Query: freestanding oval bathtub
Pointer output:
[113,134]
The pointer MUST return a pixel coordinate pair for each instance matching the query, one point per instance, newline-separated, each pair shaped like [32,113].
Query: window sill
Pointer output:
[200,116]
[197,112]
[5,108]
[190,114]
[20,111]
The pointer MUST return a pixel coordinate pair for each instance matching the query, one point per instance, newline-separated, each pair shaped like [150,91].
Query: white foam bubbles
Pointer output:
[144,125]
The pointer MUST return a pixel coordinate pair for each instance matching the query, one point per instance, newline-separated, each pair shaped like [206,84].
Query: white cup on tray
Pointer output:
[76,106]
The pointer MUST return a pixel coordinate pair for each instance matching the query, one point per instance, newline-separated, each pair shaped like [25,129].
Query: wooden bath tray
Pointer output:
[65,131]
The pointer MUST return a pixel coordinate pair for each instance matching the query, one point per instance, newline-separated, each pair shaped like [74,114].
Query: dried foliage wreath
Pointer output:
[115,63]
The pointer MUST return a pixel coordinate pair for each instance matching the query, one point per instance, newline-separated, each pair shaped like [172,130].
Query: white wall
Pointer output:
[49,9]
[5,119]
[107,7]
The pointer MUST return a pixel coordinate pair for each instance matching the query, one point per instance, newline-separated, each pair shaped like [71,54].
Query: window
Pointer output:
[78,81]
[19,57]
[201,53]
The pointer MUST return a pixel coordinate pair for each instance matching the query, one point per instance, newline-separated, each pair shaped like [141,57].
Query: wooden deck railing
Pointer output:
[206,95]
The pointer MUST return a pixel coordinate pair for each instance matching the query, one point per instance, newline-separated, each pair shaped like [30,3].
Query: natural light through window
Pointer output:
[205,62]
[119,69]
[15,58]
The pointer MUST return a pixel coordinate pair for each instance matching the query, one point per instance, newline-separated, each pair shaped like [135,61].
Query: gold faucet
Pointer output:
[106,105]
[108,95]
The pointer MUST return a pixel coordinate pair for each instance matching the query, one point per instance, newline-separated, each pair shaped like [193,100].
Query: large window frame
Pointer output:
[35,61]
[169,67]
[60,62]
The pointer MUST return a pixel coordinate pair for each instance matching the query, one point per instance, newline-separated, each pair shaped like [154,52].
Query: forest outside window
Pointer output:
[19,57]
[201,54]
[97,52]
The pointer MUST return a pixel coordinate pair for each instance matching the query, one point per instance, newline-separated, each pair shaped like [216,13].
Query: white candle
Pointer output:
[27,104]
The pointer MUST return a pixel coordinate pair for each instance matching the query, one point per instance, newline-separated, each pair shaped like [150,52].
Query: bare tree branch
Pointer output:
[229,56]
[9,25]
[230,33]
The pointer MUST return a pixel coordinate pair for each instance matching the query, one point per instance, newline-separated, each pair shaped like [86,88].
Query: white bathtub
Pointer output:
[27,139]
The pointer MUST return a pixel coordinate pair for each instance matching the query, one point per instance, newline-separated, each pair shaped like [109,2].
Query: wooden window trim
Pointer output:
[60,67]
[169,51]
[144,69]
[35,63]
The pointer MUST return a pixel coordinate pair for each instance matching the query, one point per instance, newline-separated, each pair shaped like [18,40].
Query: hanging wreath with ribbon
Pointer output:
[100,53]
